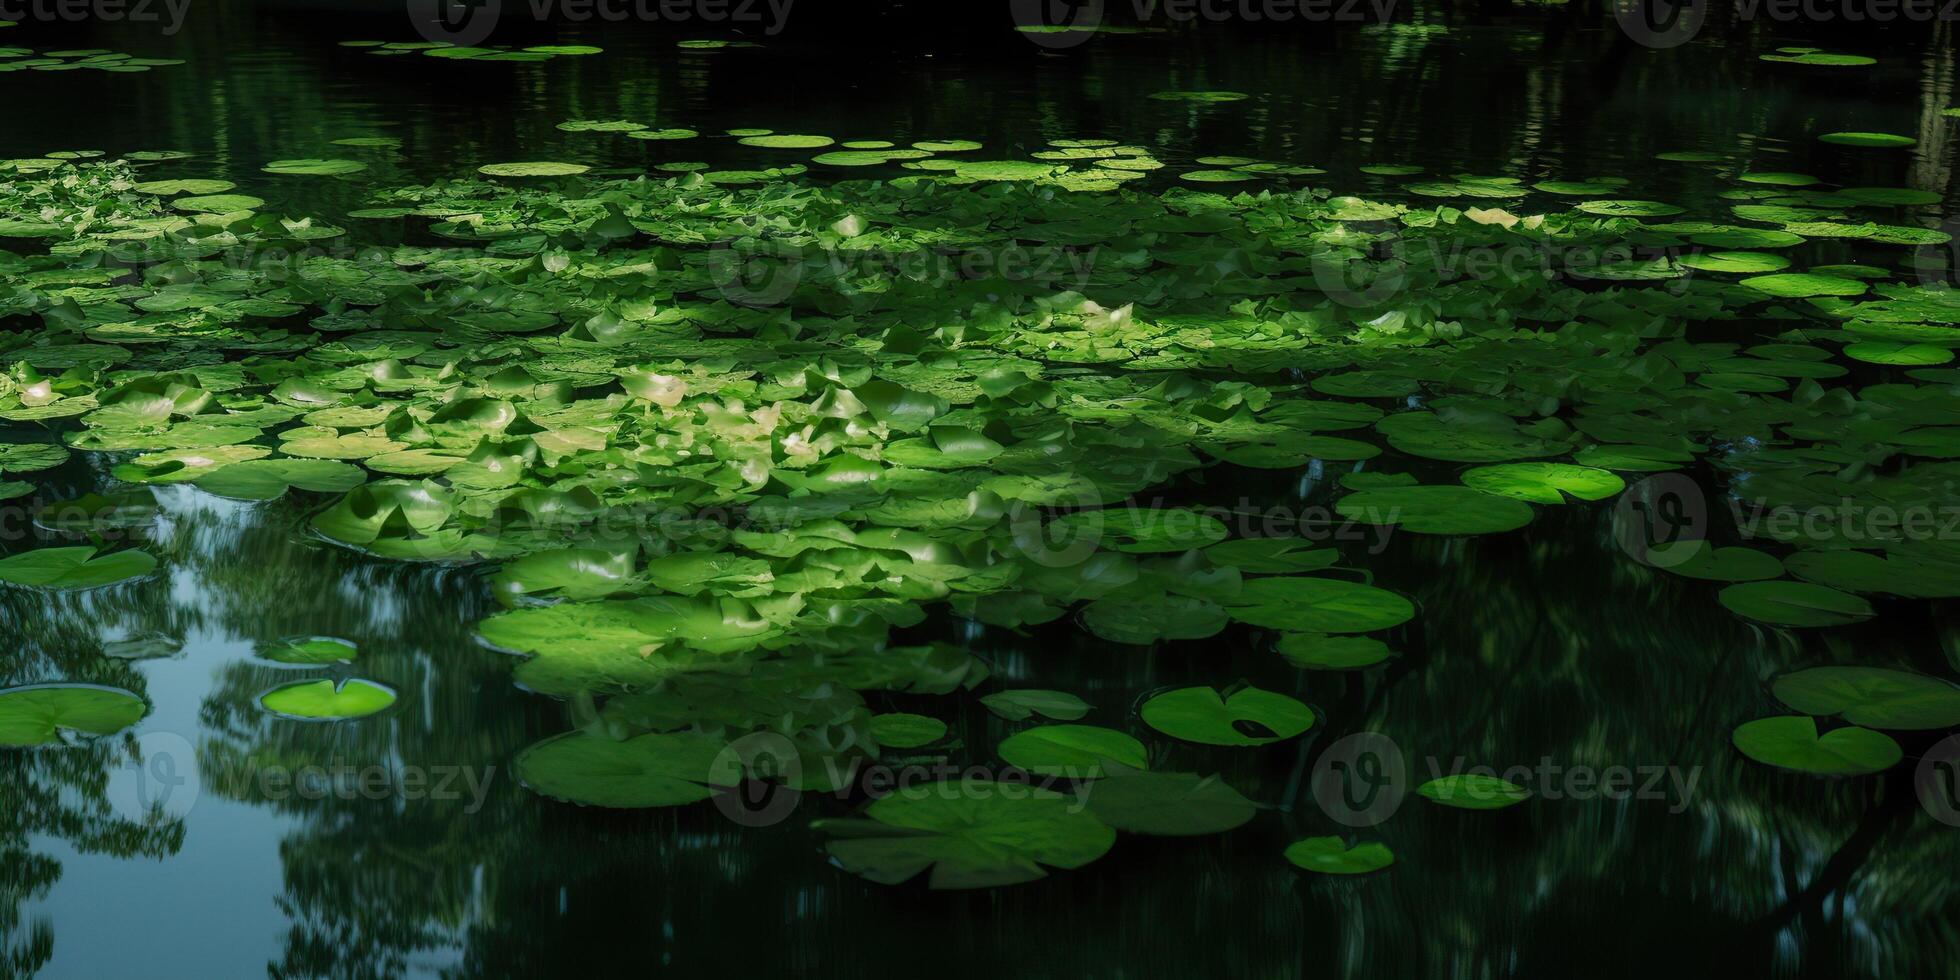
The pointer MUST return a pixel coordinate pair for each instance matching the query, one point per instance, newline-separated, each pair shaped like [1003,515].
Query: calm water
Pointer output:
[1544,648]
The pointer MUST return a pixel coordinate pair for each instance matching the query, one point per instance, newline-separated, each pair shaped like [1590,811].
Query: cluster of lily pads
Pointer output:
[717,445]
[460,52]
[79,59]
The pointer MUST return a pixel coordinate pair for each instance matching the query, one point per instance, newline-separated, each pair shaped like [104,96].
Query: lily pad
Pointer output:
[77,567]
[1792,742]
[37,715]
[1168,804]
[1332,856]
[647,771]
[1473,791]
[326,700]
[1872,697]
[1072,751]
[1243,716]
[970,833]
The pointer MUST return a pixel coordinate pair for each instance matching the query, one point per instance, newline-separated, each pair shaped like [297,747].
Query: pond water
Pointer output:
[1605,682]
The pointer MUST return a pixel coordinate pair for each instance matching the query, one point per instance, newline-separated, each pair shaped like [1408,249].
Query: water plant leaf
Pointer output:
[38,714]
[1316,605]
[649,770]
[310,651]
[1544,483]
[76,567]
[1168,804]
[1318,651]
[971,834]
[1792,742]
[327,700]
[1872,697]
[900,730]
[1332,856]
[1473,791]
[1071,751]
[1023,704]
[1799,604]
[1244,716]
[1439,509]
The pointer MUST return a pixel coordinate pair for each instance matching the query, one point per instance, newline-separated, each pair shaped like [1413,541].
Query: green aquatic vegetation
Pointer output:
[1869,139]
[1792,742]
[77,567]
[1444,509]
[1544,483]
[1872,697]
[1239,716]
[38,715]
[1798,604]
[1812,56]
[1333,856]
[1472,791]
[532,169]
[315,168]
[971,834]
[713,443]
[1168,804]
[310,651]
[1024,704]
[327,700]
[1316,651]
[1071,751]
[1199,97]
[649,770]
[906,731]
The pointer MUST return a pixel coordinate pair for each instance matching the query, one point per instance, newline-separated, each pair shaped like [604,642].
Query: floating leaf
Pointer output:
[1071,751]
[971,833]
[1792,742]
[1243,716]
[37,715]
[1332,856]
[1473,791]
[326,700]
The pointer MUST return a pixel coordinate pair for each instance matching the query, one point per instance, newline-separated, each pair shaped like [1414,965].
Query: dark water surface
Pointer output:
[1545,648]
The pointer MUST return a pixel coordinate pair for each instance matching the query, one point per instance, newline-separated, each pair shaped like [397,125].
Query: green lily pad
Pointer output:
[37,715]
[542,168]
[906,731]
[970,833]
[1792,742]
[1436,509]
[1168,804]
[1332,856]
[1024,704]
[1544,483]
[1869,139]
[315,168]
[1317,605]
[647,771]
[326,700]
[1244,716]
[1072,751]
[1473,791]
[310,651]
[77,567]
[1784,603]
[1872,697]
[1318,651]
